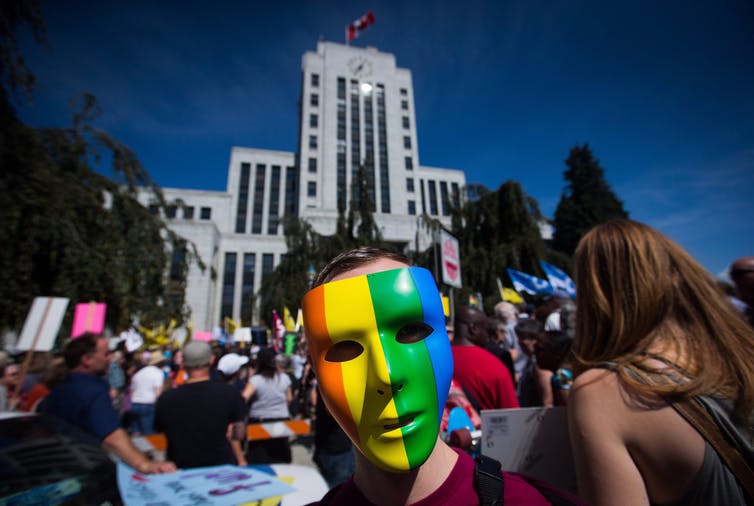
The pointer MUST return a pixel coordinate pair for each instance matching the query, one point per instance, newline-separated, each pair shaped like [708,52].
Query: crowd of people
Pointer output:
[379,366]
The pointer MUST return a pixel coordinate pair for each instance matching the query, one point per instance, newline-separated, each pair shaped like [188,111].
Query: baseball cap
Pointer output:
[196,354]
[230,364]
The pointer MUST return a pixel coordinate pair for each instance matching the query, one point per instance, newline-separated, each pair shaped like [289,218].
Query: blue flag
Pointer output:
[560,281]
[523,282]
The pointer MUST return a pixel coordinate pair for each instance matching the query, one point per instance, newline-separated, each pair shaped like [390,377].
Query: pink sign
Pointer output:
[88,317]
[202,336]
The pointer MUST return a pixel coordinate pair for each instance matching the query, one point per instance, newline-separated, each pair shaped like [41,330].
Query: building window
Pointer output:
[410,185]
[188,212]
[432,198]
[170,211]
[247,287]
[409,163]
[229,284]
[341,121]
[154,210]
[256,221]
[313,121]
[341,88]
[177,261]
[313,142]
[424,202]
[243,198]
[311,189]
[205,213]
[411,207]
[444,200]
[455,194]
[314,100]
[313,165]
[291,193]
[315,80]
[272,215]
[407,142]
[405,122]
[267,265]
[404,92]
[404,105]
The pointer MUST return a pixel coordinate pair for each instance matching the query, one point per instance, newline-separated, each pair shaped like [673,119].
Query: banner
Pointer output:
[450,259]
[88,317]
[523,282]
[560,281]
[42,324]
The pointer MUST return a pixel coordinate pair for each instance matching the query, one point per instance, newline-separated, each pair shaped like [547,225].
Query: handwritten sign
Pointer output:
[215,486]
[531,441]
[42,324]
[88,317]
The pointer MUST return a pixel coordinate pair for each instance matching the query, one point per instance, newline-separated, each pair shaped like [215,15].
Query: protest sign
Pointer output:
[242,335]
[531,441]
[88,317]
[42,324]
[217,485]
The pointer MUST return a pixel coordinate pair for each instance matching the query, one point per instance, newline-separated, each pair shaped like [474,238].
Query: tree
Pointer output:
[586,201]
[495,230]
[68,230]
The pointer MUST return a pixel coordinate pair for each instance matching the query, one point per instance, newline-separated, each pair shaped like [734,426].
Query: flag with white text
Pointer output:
[560,281]
[523,282]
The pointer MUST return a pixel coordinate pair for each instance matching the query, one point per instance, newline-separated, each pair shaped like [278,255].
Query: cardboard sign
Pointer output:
[42,324]
[88,317]
[242,335]
[201,335]
[531,441]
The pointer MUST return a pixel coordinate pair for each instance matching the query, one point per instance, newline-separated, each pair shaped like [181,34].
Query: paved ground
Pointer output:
[302,449]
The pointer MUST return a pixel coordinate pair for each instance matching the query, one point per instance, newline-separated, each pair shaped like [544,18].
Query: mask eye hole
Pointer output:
[344,351]
[413,332]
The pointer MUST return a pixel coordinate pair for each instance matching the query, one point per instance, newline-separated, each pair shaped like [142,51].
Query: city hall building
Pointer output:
[356,109]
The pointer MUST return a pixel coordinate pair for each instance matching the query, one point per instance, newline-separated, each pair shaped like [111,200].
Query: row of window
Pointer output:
[247,283]
[171,211]
[290,203]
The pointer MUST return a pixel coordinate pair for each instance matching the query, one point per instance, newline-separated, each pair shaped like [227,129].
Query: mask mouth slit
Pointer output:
[398,425]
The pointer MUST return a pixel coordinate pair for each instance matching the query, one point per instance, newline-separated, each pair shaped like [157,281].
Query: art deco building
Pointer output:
[356,109]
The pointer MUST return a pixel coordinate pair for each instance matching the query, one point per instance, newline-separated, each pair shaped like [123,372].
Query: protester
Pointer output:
[507,316]
[552,351]
[652,331]
[481,374]
[534,388]
[269,391]
[742,275]
[230,367]
[3,390]
[146,387]
[376,334]
[333,451]
[197,416]
[51,377]
[83,400]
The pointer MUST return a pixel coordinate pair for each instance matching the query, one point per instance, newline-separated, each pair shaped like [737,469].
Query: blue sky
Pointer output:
[662,91]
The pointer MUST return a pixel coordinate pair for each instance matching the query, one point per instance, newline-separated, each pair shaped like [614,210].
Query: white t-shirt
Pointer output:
[269,400]
[145,384]
[553,321]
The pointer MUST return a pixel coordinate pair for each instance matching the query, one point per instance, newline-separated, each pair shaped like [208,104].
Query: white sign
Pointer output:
[42,324]
[242,335]
[450,259]
[531,441]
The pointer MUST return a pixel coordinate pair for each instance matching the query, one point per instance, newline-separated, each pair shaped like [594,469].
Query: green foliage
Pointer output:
[586,201]
[289,282]
[495,230]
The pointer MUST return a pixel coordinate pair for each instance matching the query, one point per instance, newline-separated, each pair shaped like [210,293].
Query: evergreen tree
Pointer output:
[586,201]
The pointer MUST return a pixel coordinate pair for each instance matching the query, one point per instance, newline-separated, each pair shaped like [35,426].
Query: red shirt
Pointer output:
[456,490]
[484,376]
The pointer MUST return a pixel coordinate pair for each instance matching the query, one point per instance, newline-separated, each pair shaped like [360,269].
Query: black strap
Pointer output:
[488,481]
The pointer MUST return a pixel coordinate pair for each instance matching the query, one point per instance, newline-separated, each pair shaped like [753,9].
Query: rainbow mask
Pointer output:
[383,362]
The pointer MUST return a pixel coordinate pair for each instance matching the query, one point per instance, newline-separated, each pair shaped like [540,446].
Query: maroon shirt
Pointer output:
[484,376]
[456,490]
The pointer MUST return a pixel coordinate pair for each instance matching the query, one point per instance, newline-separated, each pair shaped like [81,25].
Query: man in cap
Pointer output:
[376,334]
[83,400]
[196,417]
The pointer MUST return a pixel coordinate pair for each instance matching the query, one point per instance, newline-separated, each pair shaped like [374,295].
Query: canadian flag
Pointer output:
[352,30]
